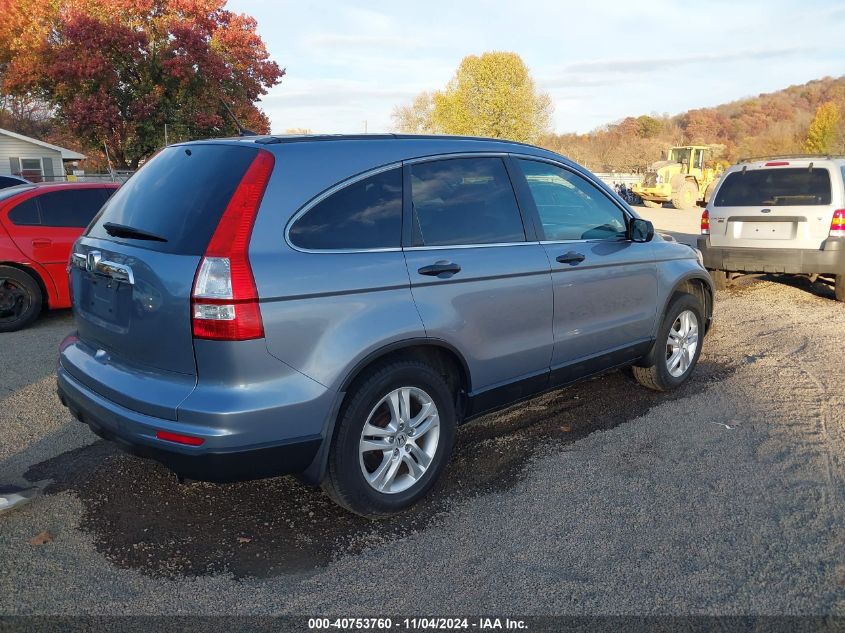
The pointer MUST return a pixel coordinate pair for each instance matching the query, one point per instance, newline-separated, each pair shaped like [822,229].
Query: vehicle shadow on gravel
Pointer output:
[822,287]
[141,518]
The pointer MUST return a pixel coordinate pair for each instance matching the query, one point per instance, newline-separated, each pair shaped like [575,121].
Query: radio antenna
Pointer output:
[242,131]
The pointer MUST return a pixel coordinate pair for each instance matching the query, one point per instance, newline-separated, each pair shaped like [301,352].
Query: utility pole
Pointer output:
[165,135]
[365,126]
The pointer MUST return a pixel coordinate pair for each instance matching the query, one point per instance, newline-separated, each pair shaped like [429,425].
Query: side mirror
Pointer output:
[640,230]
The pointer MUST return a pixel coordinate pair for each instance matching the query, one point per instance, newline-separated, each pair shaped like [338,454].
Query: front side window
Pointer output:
[70,207]
[464,201]
[570,207]
[364,215]
[775,188]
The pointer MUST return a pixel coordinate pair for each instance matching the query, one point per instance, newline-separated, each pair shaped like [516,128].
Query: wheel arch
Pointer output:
[697,285]
[32,272]
[438,353]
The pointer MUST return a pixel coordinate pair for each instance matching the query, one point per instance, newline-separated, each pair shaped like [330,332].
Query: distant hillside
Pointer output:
[772,123]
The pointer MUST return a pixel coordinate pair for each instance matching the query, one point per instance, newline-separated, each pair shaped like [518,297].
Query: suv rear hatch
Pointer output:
[133,271]
[779,204]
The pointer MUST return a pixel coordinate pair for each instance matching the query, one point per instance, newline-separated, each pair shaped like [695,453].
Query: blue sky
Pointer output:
[600,61]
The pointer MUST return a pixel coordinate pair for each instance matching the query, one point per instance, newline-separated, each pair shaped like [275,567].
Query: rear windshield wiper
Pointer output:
[121,230]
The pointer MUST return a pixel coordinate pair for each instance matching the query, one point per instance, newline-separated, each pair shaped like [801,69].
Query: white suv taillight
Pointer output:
[837,225]
[224,301]
[705,222]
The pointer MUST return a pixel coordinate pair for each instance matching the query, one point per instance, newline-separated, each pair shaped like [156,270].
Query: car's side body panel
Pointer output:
[518,321]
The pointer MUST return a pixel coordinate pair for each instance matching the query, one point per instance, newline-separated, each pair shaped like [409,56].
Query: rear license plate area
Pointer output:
[106,299]
[766,230]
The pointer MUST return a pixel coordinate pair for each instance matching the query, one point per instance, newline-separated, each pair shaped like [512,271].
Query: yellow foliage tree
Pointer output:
[490,95]
[823,129]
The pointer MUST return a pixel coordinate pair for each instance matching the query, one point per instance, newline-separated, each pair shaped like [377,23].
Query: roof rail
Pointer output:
[752,159]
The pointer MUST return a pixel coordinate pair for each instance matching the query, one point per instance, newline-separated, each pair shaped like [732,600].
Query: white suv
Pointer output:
[784,214]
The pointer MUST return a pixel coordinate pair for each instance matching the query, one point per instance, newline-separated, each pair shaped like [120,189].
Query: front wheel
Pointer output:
[677,348]
[393,440]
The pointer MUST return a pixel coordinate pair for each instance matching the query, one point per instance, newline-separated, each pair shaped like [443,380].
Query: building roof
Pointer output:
[67,154]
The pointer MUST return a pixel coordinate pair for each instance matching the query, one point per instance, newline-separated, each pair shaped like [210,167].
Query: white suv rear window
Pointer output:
[775,187]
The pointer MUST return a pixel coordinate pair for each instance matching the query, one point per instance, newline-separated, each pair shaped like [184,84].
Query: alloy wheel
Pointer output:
[682,343]
[399,440]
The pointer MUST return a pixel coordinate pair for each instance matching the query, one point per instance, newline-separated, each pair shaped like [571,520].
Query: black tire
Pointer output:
[839,288]
[685,196]
[653,204]
[344,481]
[652,371]
[720,279]
[20,299]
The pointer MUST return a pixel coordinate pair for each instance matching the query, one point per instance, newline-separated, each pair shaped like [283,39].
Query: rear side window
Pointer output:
[464,201]
[775,188]
[71,207]
[179,195]
[25,214]
[366,214]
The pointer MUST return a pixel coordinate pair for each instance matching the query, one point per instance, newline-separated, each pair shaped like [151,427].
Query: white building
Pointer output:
[33,159]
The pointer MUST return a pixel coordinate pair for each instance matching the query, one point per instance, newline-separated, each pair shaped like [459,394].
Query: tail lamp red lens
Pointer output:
[224,301]
[705,222]
[837,225]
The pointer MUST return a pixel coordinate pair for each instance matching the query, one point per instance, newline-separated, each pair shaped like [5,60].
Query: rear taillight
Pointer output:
[224,301]
[705,222]
[837,225]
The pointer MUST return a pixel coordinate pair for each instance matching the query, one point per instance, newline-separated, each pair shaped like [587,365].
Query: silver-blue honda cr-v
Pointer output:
[337,306]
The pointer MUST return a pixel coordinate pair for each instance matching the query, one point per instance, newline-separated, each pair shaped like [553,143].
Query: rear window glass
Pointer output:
[775,188]
[178,195]
[366,214]
[25,214]
[71,207]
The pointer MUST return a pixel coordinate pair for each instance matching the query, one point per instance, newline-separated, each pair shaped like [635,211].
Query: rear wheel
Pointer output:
[653,204]
[685,196]
[720,279]
[839,288]
[678,346]
[393,440]
[20,299]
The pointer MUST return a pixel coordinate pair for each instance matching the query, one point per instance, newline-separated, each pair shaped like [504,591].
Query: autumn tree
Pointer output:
[117,71]
[491,95]
[823,129]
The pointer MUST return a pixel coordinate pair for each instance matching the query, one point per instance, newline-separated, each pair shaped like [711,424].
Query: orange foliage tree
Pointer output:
[117,71]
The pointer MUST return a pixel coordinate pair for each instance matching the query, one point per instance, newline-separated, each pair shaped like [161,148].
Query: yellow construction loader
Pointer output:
[686,177]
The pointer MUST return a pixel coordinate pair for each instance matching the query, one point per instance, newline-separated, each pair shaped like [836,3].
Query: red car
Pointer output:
[38,225]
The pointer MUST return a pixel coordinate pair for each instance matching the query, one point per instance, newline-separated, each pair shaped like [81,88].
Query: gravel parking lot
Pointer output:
[726,497]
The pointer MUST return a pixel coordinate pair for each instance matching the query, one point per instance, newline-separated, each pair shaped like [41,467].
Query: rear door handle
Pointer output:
[440,268]
[41,243]
[572,258]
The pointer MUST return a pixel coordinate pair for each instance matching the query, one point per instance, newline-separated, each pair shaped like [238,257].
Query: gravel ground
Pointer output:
[725,497]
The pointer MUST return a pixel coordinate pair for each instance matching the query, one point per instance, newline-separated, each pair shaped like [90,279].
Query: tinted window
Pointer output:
[570,207]
[366,214]
[464,201]
[6,181]
[25,214]
[775,187]
[179,195]
[71,207]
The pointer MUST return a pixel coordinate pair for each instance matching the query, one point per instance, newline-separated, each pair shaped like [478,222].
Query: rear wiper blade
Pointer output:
[121,230]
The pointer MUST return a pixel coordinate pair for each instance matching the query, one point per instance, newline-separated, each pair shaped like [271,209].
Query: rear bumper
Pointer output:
[830,259]
[214,461]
